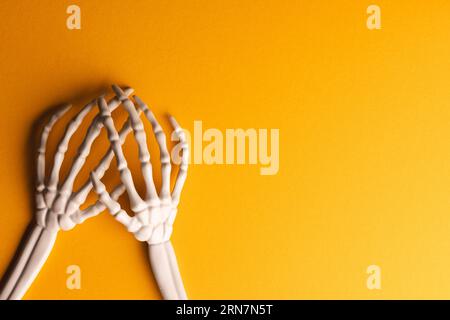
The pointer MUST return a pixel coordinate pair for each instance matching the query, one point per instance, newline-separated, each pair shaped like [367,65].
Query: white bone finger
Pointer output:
[41,206]
[82,215]
[182,173]
[137,204]
[40,179]
[61,150]
[112,205]
[164,153]
[141,138]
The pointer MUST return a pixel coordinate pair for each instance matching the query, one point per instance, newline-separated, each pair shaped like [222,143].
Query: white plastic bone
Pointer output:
[153,217]
[58,207]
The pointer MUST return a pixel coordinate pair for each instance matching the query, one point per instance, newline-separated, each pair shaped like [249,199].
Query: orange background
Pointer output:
[364,123]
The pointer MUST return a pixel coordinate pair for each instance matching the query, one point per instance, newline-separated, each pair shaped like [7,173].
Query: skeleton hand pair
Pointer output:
[58,206]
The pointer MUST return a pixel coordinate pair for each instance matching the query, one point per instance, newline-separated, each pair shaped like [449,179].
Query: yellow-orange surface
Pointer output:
[364,120]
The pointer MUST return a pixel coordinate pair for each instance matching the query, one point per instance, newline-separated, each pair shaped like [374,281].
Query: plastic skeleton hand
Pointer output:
[153,218]
[57,206]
